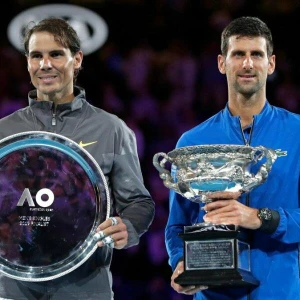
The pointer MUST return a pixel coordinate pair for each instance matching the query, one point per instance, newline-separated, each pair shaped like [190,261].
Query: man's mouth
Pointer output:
[47,78]
[247,76]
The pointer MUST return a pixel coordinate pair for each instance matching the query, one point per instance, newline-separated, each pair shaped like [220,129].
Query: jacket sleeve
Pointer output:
[286,198]
[182,212]
[132,200]
[288,230]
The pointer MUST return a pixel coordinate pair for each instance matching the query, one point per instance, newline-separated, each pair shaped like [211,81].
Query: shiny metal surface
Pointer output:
[53,196]
[199,170]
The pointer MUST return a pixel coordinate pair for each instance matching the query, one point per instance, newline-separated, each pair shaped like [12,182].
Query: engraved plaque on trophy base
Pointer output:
[216,259]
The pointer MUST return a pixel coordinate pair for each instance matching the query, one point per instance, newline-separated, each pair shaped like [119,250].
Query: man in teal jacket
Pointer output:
[248,118]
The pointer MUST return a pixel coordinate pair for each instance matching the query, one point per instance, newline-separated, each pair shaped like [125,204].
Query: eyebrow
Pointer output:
[244,51]
[34,52]
[51,52]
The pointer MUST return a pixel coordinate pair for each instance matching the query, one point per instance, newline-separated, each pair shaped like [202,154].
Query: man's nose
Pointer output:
[45,63]
[248,63]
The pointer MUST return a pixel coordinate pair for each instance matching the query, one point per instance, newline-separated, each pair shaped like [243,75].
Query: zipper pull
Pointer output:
[247,141]
[53,119]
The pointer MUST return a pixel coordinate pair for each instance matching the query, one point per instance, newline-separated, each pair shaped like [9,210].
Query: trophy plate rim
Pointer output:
[82,252]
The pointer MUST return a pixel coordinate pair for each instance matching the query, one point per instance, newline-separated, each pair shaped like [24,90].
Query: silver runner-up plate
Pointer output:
[53,196]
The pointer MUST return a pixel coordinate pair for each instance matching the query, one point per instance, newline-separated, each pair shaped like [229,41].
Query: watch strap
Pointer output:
[269,226]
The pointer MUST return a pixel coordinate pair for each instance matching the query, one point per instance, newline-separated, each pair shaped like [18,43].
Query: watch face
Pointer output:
[265,214]
[53,196]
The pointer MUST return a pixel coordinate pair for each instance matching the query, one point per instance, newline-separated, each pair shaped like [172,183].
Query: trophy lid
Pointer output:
[53,196]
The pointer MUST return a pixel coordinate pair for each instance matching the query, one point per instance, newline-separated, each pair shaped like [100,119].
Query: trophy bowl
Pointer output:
[53,196]
[215,255]
[200,170]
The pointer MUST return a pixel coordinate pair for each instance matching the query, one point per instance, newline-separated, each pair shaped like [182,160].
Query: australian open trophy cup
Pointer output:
[215,255]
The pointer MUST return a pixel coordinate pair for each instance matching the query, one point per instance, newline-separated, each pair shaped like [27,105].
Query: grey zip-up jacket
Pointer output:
[114,149]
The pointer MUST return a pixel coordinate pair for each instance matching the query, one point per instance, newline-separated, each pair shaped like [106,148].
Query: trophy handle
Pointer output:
[264,169]
[165,174]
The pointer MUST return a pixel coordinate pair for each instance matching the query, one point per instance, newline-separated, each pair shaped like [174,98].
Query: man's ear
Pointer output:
[78,57]
[221,64]
[27,58]
[272,64]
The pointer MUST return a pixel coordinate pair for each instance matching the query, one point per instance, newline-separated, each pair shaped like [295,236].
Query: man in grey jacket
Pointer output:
[54,58]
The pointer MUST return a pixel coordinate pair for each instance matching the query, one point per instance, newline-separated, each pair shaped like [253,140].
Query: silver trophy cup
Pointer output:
[215,255]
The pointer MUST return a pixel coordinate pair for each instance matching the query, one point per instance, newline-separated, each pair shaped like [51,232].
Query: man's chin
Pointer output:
[48,90]
[247,91]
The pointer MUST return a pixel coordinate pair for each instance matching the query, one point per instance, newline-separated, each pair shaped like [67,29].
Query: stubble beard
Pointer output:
[246,90]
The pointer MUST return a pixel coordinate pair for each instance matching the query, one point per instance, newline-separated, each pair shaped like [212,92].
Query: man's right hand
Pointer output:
[188,290]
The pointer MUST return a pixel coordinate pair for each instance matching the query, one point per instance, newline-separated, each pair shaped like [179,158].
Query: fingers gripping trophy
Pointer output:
[215,255]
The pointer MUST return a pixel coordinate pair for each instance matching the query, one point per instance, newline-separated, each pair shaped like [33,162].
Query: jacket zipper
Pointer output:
[247,143]
[53,119]
[53,122]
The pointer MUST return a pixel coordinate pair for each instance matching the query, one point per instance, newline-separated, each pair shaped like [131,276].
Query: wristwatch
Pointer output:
[264,214]
[269,219]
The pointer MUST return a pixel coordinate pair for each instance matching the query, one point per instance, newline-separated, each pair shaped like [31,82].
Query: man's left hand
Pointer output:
[226,209]
[113,230]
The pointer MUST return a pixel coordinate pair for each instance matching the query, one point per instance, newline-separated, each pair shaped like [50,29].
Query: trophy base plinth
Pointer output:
[217,278]
[217,257]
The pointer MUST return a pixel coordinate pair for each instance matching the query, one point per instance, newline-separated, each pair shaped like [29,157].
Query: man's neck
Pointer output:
[245,109]
[56,98]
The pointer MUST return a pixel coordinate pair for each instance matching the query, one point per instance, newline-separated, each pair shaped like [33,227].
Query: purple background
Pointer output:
[158,72]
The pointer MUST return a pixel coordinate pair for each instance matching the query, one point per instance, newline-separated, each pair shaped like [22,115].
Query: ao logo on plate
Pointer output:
[26,195]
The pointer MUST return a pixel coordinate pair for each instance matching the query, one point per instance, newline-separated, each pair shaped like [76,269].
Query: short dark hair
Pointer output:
[63,33]
[246,27]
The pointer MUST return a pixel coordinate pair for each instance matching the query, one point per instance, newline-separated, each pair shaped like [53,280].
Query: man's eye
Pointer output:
[238,54]
[55,54]
[36,56]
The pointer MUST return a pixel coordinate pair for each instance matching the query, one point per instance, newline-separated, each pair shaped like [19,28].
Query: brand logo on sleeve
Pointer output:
[81,144]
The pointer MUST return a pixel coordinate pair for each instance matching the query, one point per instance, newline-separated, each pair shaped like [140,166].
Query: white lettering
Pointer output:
[39,199]
[26,196]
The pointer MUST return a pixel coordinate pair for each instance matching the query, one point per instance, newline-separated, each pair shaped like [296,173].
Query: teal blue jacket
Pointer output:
[275,258]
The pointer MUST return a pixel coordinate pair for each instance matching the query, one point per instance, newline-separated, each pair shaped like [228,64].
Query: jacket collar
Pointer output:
[232,123]
[61,108]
